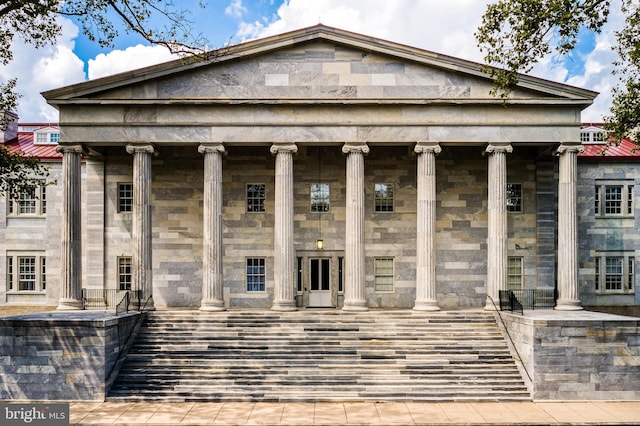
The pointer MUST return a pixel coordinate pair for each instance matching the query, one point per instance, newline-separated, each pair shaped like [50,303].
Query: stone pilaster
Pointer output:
[426,296]
[497,222]
[568,294]
[212,278]
[71,242]
[284,254]
[354,274]
[142,258]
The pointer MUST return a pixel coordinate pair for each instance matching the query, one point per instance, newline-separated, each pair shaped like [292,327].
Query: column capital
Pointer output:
[498,147]
[144,148]
[283,147]
[425,147]
[72,149]
[569,147]
[358,147]
[206,148]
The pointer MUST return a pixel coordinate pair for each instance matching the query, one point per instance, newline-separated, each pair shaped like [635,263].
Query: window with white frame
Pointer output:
[124,273]
[593,135]
[613,199]
[514,197]
[383,274]
[614,273]
[256,274]
[125,197]
[383,198]
[28,203]
[514,273]
[320,197]
[48,137]
[26,272]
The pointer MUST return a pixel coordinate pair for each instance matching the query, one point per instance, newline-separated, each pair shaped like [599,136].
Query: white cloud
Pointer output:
[134,57]
[235,9]
[42,69]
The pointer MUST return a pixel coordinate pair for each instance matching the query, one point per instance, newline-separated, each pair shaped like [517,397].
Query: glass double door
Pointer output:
[320,282]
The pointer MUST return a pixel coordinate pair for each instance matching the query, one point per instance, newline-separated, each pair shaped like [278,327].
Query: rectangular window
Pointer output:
[256,194]
[614,273]
[383,274]
[320,197]
[383,197]
[10,275]
[125,197]
[27,273]
[42,137]
[30,202]
[54,137]
[124,273]
[255,274]
[514,273]
[514,197]
[43,273]
[613,200]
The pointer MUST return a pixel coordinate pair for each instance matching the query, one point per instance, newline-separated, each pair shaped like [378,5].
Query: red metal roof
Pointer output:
[626,150]
[24,143]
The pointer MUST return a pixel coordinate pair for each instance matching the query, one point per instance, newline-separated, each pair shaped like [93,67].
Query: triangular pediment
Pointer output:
[319,64]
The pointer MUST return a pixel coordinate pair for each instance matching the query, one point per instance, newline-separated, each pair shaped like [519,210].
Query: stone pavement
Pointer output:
[356,413]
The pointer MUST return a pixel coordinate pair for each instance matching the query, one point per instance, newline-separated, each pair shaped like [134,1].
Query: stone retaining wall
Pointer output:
[60,355]
[578,355]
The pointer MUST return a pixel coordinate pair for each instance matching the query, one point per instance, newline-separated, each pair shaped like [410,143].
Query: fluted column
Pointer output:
[497,226]
[142,257]
[284,269]
[354,275]
[568,294]
[426,296]
[71,244]
[212,280]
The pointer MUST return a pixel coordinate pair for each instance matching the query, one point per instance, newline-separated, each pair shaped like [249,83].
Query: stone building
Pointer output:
[322,168]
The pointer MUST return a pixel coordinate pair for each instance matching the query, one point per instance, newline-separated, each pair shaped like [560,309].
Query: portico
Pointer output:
[366,113]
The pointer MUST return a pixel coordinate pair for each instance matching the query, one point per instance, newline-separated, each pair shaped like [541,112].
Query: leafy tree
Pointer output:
[515,34]
[37,23]
[20,174]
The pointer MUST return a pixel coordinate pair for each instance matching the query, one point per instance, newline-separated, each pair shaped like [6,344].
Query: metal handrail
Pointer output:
[515,349]
[123,305]
[519,300]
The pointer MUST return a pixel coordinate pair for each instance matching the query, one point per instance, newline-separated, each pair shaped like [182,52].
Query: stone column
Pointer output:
[354,276]
[284,270]
[568,294]
[71,243]
[426,299]
[142,259]
[212,282]
[497,226]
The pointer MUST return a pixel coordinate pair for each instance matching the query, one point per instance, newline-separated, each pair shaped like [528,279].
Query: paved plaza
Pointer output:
[357,413]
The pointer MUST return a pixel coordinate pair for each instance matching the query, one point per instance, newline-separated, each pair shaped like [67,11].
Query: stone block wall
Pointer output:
[578,355]
[177,197]
[60,355]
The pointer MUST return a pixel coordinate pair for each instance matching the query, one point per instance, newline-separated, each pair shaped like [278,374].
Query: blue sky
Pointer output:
[441,26]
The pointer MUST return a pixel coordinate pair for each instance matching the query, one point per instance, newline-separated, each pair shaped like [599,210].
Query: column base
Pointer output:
[284,306]
[426,305]
[213,306]
[568,305]
[490,306]
[355,306]
[70,305]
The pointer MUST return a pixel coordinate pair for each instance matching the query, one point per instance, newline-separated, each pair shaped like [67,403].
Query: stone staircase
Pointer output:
[319,355]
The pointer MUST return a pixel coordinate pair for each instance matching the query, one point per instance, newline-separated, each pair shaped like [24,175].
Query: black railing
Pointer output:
[530,298]
[110,298]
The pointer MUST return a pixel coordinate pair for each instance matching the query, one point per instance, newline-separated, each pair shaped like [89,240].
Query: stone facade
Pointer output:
[60,356]
[352,112]
[581,356]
